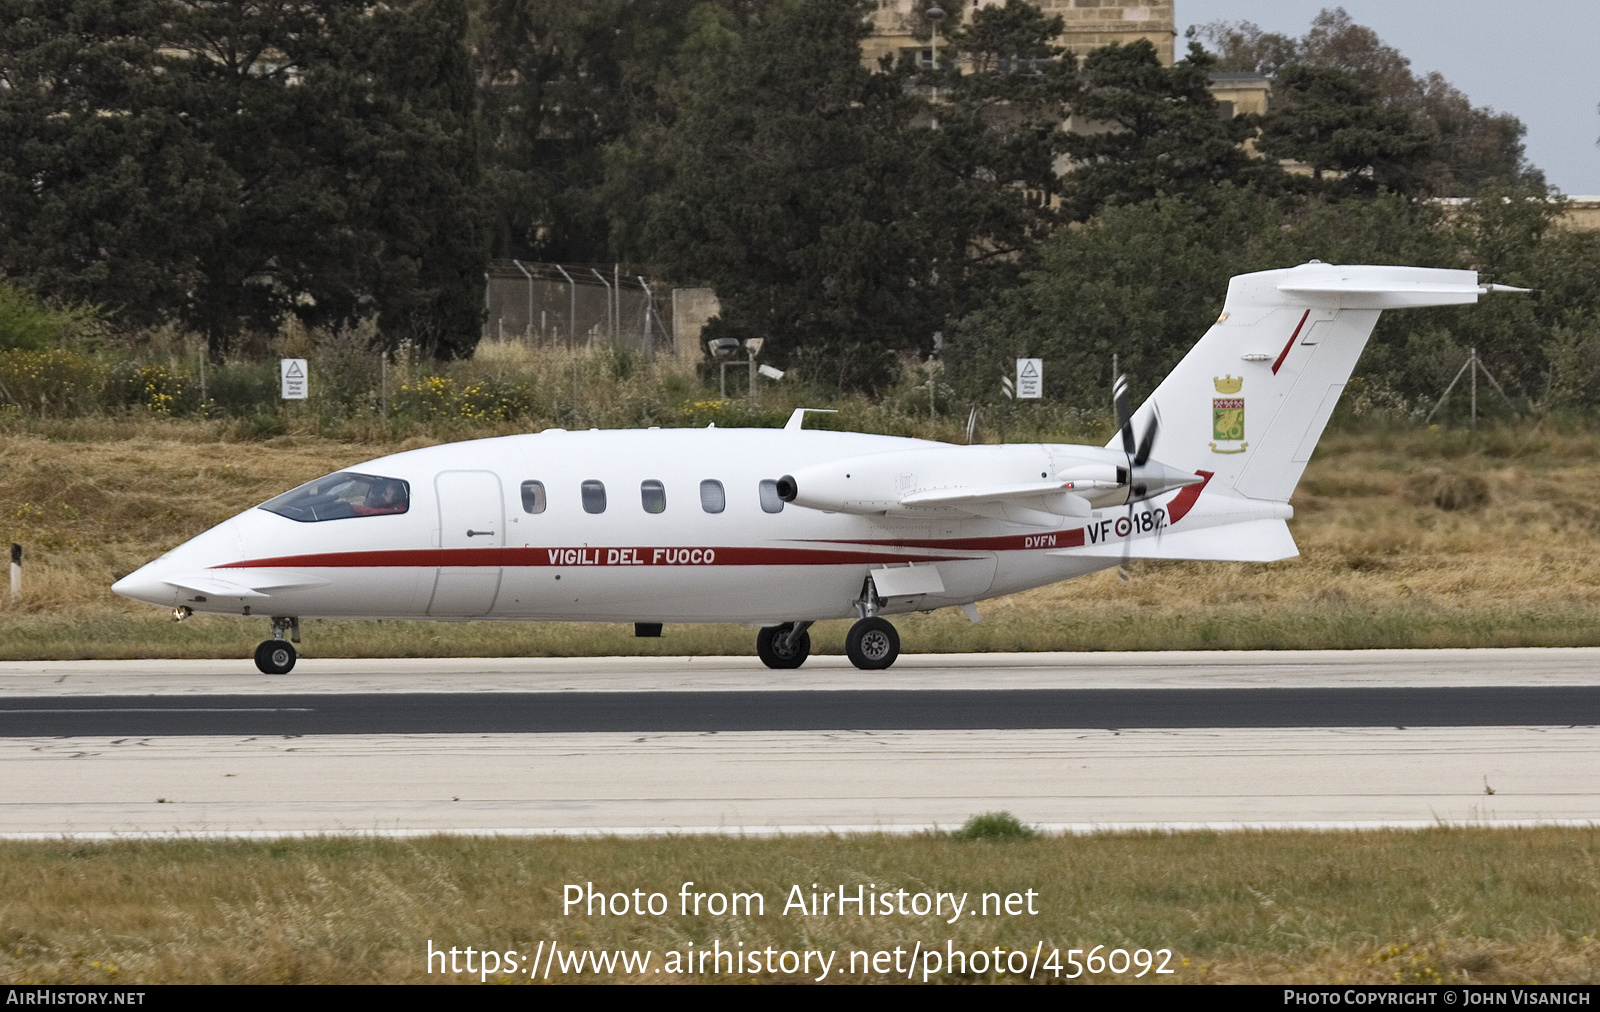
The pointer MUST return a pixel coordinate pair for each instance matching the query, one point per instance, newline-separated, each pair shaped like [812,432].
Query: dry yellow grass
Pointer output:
[1446,905]
[1514,560]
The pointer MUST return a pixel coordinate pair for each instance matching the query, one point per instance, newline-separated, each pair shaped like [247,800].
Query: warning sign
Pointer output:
[292,371]
[1030,378]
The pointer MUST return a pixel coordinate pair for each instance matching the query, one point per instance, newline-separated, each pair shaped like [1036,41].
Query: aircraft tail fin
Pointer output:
[1250,400]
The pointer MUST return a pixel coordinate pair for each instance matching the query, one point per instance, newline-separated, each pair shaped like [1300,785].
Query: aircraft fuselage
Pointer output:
[468,546]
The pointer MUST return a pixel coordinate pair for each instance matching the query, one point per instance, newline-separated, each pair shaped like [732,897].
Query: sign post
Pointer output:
[1030,379]
[292,373]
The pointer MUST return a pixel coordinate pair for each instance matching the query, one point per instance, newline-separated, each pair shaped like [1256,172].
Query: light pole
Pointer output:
[934,14]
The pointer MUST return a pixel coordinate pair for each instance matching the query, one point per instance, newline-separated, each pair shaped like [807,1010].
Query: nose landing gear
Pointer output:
[277,655]
[784,646]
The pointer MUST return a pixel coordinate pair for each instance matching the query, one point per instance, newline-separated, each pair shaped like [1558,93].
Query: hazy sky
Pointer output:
[1536,59]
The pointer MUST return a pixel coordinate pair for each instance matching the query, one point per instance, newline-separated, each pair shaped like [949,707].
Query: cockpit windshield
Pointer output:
[341,495]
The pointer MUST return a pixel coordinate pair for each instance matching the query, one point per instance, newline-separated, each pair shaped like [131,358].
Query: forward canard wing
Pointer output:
[242,583]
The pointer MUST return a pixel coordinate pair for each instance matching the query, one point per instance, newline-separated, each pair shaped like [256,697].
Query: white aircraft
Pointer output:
[780,528]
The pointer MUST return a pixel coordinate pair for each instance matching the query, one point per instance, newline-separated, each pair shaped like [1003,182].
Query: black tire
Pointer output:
[872,644]
[275,657]
[768,649]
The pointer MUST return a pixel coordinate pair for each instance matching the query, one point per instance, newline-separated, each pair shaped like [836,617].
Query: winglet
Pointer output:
[797,419]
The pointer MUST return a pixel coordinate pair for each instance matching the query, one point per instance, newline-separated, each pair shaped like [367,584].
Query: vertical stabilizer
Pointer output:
[1249,402]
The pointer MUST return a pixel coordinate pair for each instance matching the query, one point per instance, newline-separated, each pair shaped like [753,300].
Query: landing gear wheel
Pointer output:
[872,644]
[275,657]
[770,646]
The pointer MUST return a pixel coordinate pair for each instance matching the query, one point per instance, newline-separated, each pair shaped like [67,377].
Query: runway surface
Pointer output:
[1368,738]
[1215,669]
[874,709]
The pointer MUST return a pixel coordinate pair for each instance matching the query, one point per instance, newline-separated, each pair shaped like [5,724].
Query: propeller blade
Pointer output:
[1148,442]
[1119,396]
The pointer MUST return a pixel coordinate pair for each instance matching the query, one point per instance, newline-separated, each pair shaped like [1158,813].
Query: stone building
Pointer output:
[901,29]
[899,26]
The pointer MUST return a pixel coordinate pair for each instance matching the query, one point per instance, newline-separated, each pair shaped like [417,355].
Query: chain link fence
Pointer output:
[578,305]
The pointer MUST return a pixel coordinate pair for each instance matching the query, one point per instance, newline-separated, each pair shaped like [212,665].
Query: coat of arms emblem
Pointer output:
[1227,416]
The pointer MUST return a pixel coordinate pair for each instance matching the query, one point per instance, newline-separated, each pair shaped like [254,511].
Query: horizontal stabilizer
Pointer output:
[1367,292]
[1251,541]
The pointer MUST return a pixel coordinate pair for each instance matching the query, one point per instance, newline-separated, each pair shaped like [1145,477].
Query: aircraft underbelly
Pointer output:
[679,594]
[361,593]
[1019,571]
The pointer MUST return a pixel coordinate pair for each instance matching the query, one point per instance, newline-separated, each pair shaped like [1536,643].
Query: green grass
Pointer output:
[1103,626]
[1388,558]
[1463,905]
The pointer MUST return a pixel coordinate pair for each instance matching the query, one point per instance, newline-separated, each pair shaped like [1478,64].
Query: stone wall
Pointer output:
[691,309]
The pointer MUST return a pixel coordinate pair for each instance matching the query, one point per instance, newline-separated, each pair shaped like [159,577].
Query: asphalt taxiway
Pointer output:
[1361,738]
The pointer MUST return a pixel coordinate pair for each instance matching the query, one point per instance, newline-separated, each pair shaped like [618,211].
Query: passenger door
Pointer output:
[471,516]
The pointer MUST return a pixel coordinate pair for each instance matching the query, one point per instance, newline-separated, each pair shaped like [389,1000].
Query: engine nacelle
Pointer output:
[910,483]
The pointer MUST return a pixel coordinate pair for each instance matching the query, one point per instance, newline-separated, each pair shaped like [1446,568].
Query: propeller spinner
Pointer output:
[1145,478]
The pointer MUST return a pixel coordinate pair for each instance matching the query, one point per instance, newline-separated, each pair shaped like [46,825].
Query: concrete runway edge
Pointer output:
[811,781]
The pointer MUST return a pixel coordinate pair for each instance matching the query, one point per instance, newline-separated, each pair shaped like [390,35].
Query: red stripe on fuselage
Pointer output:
[1183,502]
[587,555]
[1285,352]
[1007,543]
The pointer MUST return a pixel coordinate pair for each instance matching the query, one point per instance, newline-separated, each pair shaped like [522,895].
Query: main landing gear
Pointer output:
[277,655]
[872,643]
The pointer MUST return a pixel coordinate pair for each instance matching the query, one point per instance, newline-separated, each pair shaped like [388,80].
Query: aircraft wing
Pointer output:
[1031,502]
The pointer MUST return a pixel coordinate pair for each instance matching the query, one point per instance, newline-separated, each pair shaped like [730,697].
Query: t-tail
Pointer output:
[1247,405]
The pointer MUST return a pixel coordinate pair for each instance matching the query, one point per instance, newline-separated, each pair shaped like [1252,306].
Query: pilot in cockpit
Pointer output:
[384,496]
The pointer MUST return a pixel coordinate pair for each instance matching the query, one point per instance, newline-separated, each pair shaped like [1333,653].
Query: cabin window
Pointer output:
[594,496]
[533,497]
[712,498]
[654,496]
[769,496]
[341,495]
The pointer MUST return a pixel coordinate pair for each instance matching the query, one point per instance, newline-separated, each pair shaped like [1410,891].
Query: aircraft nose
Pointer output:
[145,585]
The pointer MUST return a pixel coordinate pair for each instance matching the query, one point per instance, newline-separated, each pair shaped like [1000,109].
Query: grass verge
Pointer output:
[1443,905]
[1426,538]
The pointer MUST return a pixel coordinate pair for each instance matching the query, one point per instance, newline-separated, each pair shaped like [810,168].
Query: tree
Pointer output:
[1014,38]
[1474,147]
[1144,130]
[558,84]
[1244,46]
[1144,281]
[104,181]
[839,215]
[767,184]
[1332,121]
[349,130]
[223,164]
